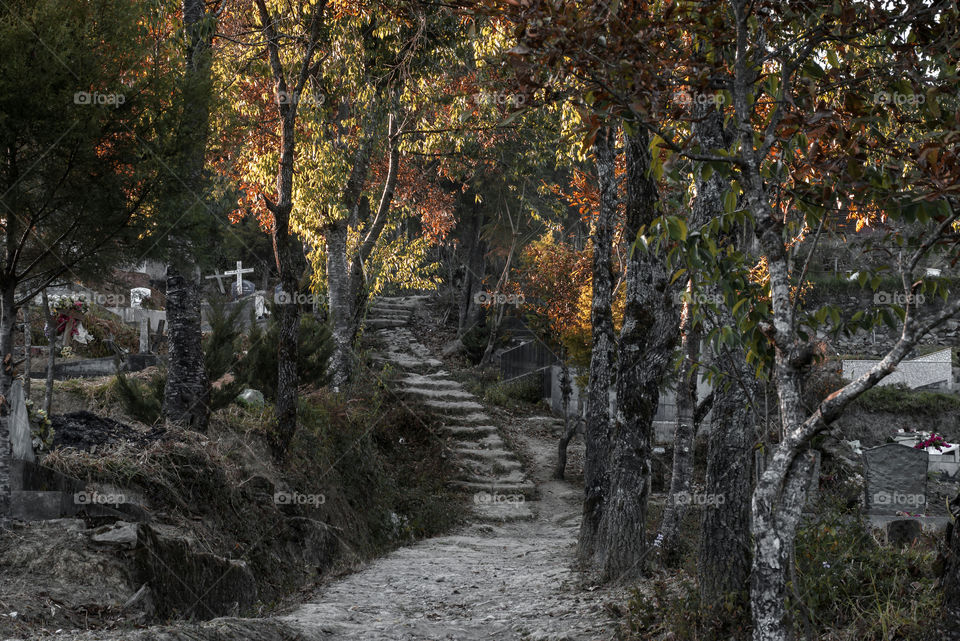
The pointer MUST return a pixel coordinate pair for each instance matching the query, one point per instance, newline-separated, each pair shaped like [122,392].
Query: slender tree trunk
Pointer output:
[681,478]
[26,352]
[647,340]
[340,302]
[569,427]
[187,393]
[50,331]
[596,435]
[8,317]
[474,266]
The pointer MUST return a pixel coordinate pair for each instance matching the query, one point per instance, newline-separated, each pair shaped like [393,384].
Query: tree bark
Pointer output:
[187,393]
[569,427]
[681,477]
[8,318]
[947,620]
[596,435]
[340,302]
[647,340]
[285,249]
[723,558]
[50,331]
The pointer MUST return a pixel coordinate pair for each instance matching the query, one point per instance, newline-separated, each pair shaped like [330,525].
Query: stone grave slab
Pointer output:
[896,479]
[20,438]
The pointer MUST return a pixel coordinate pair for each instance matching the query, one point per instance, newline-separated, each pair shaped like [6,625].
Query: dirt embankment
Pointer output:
[209,523]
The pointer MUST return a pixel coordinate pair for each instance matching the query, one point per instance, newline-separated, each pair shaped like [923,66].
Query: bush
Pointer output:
[898,399]
[851,585]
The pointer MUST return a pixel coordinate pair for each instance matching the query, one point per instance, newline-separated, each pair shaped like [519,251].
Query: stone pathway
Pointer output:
[507,576]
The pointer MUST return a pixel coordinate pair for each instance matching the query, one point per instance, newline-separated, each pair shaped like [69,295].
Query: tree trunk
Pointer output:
[647,340]
[8,317]
[50,331]
[947,620]
[473,278]
[681,478]
[596,434]
[569,427]
[26,352]
[723,559]
[187,393]
[340,302]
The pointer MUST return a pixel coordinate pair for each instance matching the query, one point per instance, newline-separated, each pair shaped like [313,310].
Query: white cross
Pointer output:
[239,272]
[219,278]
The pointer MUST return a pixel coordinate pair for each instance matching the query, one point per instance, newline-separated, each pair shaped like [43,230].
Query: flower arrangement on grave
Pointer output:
[41,428]
[934,440]
[68,310]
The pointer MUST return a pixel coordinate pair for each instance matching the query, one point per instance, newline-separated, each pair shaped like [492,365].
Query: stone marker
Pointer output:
[896,479]
[20,438]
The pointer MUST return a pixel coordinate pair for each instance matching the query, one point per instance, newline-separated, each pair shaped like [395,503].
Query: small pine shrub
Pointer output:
[143,402]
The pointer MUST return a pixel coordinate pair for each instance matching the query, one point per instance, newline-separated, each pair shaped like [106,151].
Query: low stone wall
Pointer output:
[92,367]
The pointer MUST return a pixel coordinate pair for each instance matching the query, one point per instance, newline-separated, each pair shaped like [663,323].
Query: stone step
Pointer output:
[513,476]
[430,381]
[406,361]
[469,430]
[489,442]
[464,407]
[500,455]
[526,489]
[461,419]
[383,323]
[436,394]
[502,512]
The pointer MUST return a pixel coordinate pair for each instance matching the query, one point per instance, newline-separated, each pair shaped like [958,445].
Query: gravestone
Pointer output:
[20,438]
[245,288]
[896,479]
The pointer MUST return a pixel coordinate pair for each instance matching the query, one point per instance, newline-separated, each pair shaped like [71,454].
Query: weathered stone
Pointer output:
[896,479]
[903,532]
[21,441]
[120,534]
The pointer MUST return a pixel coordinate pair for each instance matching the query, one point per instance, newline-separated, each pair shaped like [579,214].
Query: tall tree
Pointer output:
[78,183]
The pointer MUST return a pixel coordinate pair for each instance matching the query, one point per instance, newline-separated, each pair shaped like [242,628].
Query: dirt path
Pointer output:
[508,575]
